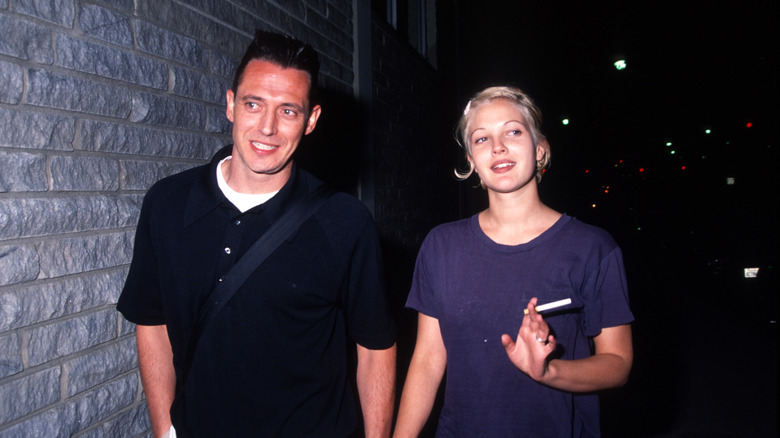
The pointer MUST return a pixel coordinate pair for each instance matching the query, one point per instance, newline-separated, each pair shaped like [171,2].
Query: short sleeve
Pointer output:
[610,295]
[369,320]
[140,301]
[422,295]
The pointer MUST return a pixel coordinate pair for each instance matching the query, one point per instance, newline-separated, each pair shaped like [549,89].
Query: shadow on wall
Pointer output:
[333,151]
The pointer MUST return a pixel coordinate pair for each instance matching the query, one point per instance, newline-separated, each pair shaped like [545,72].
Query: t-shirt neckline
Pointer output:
[536,241]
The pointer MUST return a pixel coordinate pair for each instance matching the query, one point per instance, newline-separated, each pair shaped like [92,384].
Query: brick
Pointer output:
[25,40]
[39,302]
[99,366]
[56,90]
[171,46]
[196,85]
[30,130]
[227,12]
[223,65]
[105,24]
[140,175]
[22,172]
[66,337]
[84,173]
[101,402]
[63,421]
[29,217]
[134,140]
[88,57]
[340,35]
[27,394]
[18,263]
[125,327]
[131,422]
[60,12]
[218,122]
[184,20]
[320,6]
[10,355]
[11,82]
[83,254]
[159,110]
[122,5]
[48,424]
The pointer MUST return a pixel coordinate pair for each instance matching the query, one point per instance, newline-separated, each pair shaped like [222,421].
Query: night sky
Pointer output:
[691,66]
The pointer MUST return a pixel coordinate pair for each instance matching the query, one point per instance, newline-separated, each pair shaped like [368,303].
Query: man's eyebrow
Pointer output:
[247,97]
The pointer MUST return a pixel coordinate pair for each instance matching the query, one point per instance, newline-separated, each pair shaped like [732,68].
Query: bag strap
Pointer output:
[282,229]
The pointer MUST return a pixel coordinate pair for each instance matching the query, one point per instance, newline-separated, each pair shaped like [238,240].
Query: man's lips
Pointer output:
[262,146]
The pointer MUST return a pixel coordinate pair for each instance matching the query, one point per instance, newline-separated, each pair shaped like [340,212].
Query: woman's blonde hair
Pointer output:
[531,114]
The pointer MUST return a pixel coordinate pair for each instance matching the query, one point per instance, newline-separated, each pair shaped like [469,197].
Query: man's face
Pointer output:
[269,111]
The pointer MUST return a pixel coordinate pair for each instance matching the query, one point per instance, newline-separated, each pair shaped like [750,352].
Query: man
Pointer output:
[273,360]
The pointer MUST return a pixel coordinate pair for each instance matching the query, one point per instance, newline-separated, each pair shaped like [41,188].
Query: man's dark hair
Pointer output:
[284,51]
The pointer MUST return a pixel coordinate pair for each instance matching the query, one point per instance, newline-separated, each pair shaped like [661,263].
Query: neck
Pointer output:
[516,218]
[256,183]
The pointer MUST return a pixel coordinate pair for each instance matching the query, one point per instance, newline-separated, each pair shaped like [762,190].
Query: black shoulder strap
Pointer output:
[283,228]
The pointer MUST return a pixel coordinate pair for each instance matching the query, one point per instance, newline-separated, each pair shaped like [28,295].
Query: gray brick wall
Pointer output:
[98,100]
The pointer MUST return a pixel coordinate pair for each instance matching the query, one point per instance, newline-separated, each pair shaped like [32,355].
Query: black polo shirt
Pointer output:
[273,361]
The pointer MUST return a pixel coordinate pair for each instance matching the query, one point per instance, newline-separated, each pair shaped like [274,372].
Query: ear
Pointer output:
[313,117]
[541,150]
[230,107]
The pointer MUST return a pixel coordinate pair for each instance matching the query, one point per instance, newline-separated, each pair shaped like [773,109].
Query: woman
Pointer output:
[475,277]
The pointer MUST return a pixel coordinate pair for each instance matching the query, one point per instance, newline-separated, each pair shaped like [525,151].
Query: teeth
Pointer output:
[263,147]
[504,165]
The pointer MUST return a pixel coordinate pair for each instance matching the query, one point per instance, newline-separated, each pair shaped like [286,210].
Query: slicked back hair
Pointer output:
[284,51]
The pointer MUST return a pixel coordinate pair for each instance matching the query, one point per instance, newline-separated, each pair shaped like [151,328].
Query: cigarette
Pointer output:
[550,306]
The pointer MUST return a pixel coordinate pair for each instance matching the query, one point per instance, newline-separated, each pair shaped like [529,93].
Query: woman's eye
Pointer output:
[480,140]
[515,132]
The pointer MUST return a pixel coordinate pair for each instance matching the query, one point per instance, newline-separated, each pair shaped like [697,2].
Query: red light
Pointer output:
[683,168]
[749,124]
[586,170]
[606,191]
[641,169]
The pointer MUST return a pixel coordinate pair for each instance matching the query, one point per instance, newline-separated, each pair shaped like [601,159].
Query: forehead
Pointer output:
[268,80]
[497,110]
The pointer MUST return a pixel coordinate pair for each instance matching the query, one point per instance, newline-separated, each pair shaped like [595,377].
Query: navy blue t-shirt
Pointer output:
[273,360]
[478,289]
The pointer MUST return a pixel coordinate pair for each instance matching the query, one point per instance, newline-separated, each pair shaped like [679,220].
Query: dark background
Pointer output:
[705,336]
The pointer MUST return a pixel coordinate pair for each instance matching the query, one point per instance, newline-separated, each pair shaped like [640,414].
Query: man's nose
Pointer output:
[268,124]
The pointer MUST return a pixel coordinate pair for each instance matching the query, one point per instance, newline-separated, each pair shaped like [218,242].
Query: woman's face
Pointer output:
[501,146]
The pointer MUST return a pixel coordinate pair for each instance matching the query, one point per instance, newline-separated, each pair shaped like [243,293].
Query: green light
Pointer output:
[621,64]
[565,121]
[708,131]
[673,152]
[668,143]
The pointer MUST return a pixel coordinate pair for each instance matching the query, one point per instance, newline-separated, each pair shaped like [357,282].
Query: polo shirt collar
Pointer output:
[205,194]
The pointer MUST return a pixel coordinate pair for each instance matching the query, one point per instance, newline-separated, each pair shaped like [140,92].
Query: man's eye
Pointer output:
[252,105]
